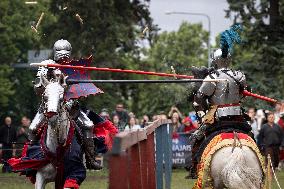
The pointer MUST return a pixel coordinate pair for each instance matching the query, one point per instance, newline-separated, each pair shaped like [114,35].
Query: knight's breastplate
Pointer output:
[227,96]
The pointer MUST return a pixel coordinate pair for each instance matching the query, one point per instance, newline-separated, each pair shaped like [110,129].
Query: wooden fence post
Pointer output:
[167,147]
[163,156]
[159,158]
[135,176]
[151,161]
[137,162]
[118,165]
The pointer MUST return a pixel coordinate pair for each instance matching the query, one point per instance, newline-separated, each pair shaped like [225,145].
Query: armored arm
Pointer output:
[243,81]
[201,98]
[42,71]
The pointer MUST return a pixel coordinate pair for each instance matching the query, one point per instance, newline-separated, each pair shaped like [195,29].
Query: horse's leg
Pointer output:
[217,164]
[40,181]
[45,175]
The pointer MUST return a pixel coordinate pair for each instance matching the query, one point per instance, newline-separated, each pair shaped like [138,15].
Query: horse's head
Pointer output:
[54,109]
[53,96]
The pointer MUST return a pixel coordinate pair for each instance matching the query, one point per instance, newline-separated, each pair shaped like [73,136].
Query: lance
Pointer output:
[140,72]
[75,81]
[247,93]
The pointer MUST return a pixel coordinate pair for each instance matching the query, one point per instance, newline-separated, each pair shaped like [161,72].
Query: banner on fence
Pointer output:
[181,150]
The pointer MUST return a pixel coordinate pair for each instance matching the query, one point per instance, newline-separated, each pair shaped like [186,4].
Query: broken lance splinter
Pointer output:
[245,92]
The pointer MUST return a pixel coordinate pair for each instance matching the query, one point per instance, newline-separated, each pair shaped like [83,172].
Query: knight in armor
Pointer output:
[62,52]
[218,103]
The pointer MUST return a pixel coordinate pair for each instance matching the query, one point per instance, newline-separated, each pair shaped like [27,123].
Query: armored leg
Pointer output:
[36,121]
[86,126]
[34,126]
[195,141]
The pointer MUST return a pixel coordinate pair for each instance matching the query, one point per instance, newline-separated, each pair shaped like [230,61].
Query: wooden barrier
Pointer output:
[141,159]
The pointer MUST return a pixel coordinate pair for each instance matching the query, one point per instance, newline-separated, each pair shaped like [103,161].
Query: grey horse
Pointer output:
[238,169]
[58,126]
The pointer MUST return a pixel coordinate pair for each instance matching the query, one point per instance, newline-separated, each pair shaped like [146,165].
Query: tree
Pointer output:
[181,50]
[16,38]
[111,32]
[261,55]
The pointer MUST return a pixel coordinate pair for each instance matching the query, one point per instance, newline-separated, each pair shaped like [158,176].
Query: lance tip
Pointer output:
[38,64]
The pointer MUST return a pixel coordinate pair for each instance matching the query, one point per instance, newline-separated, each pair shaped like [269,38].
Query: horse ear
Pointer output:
[62,80]
[57,75]
[44,81]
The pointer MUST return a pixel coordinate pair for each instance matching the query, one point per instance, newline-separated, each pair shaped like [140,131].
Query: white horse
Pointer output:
[232,161]
[235,169]
[58,126]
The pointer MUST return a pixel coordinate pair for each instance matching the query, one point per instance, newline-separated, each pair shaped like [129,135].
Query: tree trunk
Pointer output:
[274,13]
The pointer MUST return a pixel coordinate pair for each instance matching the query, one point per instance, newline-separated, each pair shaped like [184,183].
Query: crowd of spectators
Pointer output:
[126,121]
[268,131]
[12,139]
[267,128]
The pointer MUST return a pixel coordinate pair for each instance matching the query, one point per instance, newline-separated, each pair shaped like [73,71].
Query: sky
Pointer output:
[213,8]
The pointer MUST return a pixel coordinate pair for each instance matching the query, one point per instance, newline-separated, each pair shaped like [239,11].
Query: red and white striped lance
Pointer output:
[140,72]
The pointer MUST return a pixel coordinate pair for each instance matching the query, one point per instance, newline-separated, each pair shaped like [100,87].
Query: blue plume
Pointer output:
[228,38]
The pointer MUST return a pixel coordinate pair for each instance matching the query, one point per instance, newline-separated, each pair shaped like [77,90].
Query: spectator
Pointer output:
[122,114]
[162,116]
[104,114]
[270,138]
[115,120]
[260,118]
[22,135]
[144,121]
[281,116]
[8,135]
[155,117]
[187,126]
[132,126]
[281,124]
[137,122]
[29,121]
[277,112]
[176,124]
[174,112]
[131,114]
[253,122]
[175,116]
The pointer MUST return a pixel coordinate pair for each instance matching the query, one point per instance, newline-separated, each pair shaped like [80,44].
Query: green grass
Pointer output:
[99,180]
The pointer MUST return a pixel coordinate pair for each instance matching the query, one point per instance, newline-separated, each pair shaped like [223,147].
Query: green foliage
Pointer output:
[109,27]
[16,38]
[6,86]
[261,55]
[181,50]
[111,32]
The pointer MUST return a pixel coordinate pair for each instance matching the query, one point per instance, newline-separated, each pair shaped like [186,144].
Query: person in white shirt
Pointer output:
[253,122]
[132,126]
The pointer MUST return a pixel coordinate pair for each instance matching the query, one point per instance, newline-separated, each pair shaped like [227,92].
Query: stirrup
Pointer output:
[192,172]
[93,165]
